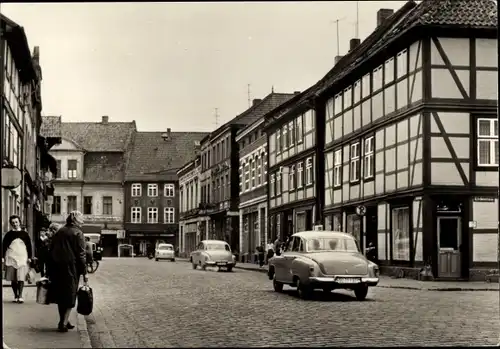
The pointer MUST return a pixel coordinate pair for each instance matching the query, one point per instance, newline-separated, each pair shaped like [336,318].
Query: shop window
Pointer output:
[401,234]
[354,227]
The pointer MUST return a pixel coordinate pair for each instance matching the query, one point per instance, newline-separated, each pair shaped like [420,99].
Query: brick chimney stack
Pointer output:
[105,119]
[383,14]
[353,43]
[256,101]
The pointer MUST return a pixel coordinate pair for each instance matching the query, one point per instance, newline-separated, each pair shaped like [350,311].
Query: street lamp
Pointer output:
[11,176]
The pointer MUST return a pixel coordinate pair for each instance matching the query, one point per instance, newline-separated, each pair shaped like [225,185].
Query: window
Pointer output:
[272,188]
[72,169]
[309,171]
[355,165]
[338,104]
[136,189]
[299,130]
[291,177]
[357,91]
[377,78]
[487,142]
[291,133]
[259,170]
[241,177]
[152,214]
[247,176]
[337,168]
[368,160]
[71,203]
[300,175]
[279,146]
[152,190]
[56,205]
[347,98]
[223,149]
[278,181]
[87,205]
[169,215]
[136,214]
[169,190]
[107,205]
[253,165]
[59,169]
[401,234]
[284,137]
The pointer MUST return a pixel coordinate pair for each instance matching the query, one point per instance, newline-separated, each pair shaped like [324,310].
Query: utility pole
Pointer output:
[216,117]
[336,21]
[249,99]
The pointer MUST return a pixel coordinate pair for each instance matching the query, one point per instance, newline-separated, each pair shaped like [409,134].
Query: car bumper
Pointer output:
[219,263]
[165,256]
[333,282]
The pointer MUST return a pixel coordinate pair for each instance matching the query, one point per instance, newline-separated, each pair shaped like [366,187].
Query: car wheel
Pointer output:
[278,286]
[173,259]
[194,265]
[229,269]
[361,292]
[203,266]
[156,259]
[304,291]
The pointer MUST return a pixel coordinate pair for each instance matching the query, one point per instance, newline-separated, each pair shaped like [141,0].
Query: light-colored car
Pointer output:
[165,251]
[324,260]
[213,253]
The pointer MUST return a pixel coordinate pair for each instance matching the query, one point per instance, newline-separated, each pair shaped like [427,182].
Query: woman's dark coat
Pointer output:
[67,264]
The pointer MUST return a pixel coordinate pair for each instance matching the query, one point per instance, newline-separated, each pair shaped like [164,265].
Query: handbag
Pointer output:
[85,300]
[43,291]
[30,277]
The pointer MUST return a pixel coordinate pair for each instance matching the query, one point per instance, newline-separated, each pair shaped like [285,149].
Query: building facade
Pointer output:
[252,145]
[27,167]
[91,164]
[189,206]
[411,143]
[220,172]
[151,187]
[294,158]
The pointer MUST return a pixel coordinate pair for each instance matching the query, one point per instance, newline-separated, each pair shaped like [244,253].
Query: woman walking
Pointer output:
[67,254]
[16,254]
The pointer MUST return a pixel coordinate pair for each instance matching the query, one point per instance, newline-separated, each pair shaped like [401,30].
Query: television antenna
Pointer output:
[248,94]
[336,21]
[216,117]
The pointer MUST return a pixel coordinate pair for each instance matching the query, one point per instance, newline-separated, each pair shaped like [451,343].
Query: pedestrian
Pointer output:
[16,254]
[260,252]
[68,260]
[270,250]
[89,253]
[277,245]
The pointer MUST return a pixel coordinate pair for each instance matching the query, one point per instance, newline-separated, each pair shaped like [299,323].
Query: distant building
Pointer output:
[189,206]
[152,186]
[91,164]
[26,136]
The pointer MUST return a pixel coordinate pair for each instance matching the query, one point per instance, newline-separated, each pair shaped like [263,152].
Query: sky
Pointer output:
[170,65]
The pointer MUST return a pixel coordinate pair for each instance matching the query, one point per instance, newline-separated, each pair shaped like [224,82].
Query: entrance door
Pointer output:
[448,233]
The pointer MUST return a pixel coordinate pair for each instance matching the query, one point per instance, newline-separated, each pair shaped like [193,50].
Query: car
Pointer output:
[326,260]
[213,253]
[165,251]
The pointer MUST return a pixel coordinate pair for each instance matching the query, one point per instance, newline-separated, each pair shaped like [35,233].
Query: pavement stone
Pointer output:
[143,303]
[409,284]
[33,325]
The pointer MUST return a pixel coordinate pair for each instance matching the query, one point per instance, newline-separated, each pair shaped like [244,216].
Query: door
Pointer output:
[448,234]
[289,256]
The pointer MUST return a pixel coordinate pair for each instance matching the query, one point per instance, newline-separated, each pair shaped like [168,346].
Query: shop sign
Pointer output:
[483,199]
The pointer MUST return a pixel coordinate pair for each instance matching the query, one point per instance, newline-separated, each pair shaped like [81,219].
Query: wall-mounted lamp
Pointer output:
[11,176]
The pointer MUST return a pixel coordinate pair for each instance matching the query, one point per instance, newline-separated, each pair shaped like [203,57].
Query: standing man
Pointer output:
[88,251]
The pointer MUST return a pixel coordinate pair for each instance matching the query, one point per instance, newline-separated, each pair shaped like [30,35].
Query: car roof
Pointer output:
[213,242]
[311,234]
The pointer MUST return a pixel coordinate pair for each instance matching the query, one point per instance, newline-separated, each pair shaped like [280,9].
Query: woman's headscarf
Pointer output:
[75,218]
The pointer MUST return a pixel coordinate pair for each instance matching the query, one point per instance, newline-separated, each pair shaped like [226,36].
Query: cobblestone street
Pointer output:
[142,303]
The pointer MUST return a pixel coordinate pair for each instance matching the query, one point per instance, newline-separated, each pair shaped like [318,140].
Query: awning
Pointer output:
[91,229]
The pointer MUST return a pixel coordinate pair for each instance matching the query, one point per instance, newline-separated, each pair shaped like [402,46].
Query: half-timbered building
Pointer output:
[412,139]
[252,145]
[294,189]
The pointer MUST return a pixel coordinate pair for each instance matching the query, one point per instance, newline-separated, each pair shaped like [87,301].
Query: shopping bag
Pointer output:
[43,291]
[85,300]
[30,277]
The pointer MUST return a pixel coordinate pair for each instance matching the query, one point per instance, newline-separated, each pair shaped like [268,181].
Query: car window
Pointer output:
[217,247]
[301,245]
[332,244]
[296,243]
[167,248]
[200,246]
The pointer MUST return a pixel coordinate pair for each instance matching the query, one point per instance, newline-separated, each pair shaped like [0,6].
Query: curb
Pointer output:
[83,332]
[435,289]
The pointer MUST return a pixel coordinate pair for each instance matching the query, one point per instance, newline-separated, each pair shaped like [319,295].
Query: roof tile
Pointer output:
[104,166]
[51,127]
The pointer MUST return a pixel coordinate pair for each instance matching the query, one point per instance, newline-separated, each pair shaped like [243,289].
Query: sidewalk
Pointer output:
[409,284]
[33,325]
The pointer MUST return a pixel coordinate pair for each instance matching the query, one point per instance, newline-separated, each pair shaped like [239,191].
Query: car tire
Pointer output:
[173,259]
[304,291]
[203,266]
[229,269]
[278,286]
[361,292]
[194,265]
[156,259]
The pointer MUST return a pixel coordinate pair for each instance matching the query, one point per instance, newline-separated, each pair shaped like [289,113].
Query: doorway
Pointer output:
[371,231]
[449,231]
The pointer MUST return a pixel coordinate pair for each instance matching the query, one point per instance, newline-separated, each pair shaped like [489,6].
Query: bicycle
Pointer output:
[92,266]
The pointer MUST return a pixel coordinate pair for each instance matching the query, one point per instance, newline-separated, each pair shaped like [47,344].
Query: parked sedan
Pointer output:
[324,260]
[215,253]
[165,251]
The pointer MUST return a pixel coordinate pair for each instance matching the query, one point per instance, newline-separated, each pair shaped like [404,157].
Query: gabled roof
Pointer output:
[100,137]
[151,157]
[51,127]
[255,112]
[469,14]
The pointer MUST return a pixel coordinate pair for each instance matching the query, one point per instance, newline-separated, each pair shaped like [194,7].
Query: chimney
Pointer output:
[354,43]
[169,130]
[382,15]
[296,93]
[105,119]
[166,136]
[337,59]
[256,101]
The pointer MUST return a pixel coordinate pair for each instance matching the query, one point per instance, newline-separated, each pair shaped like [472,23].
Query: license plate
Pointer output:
[348,280]
[221,263]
